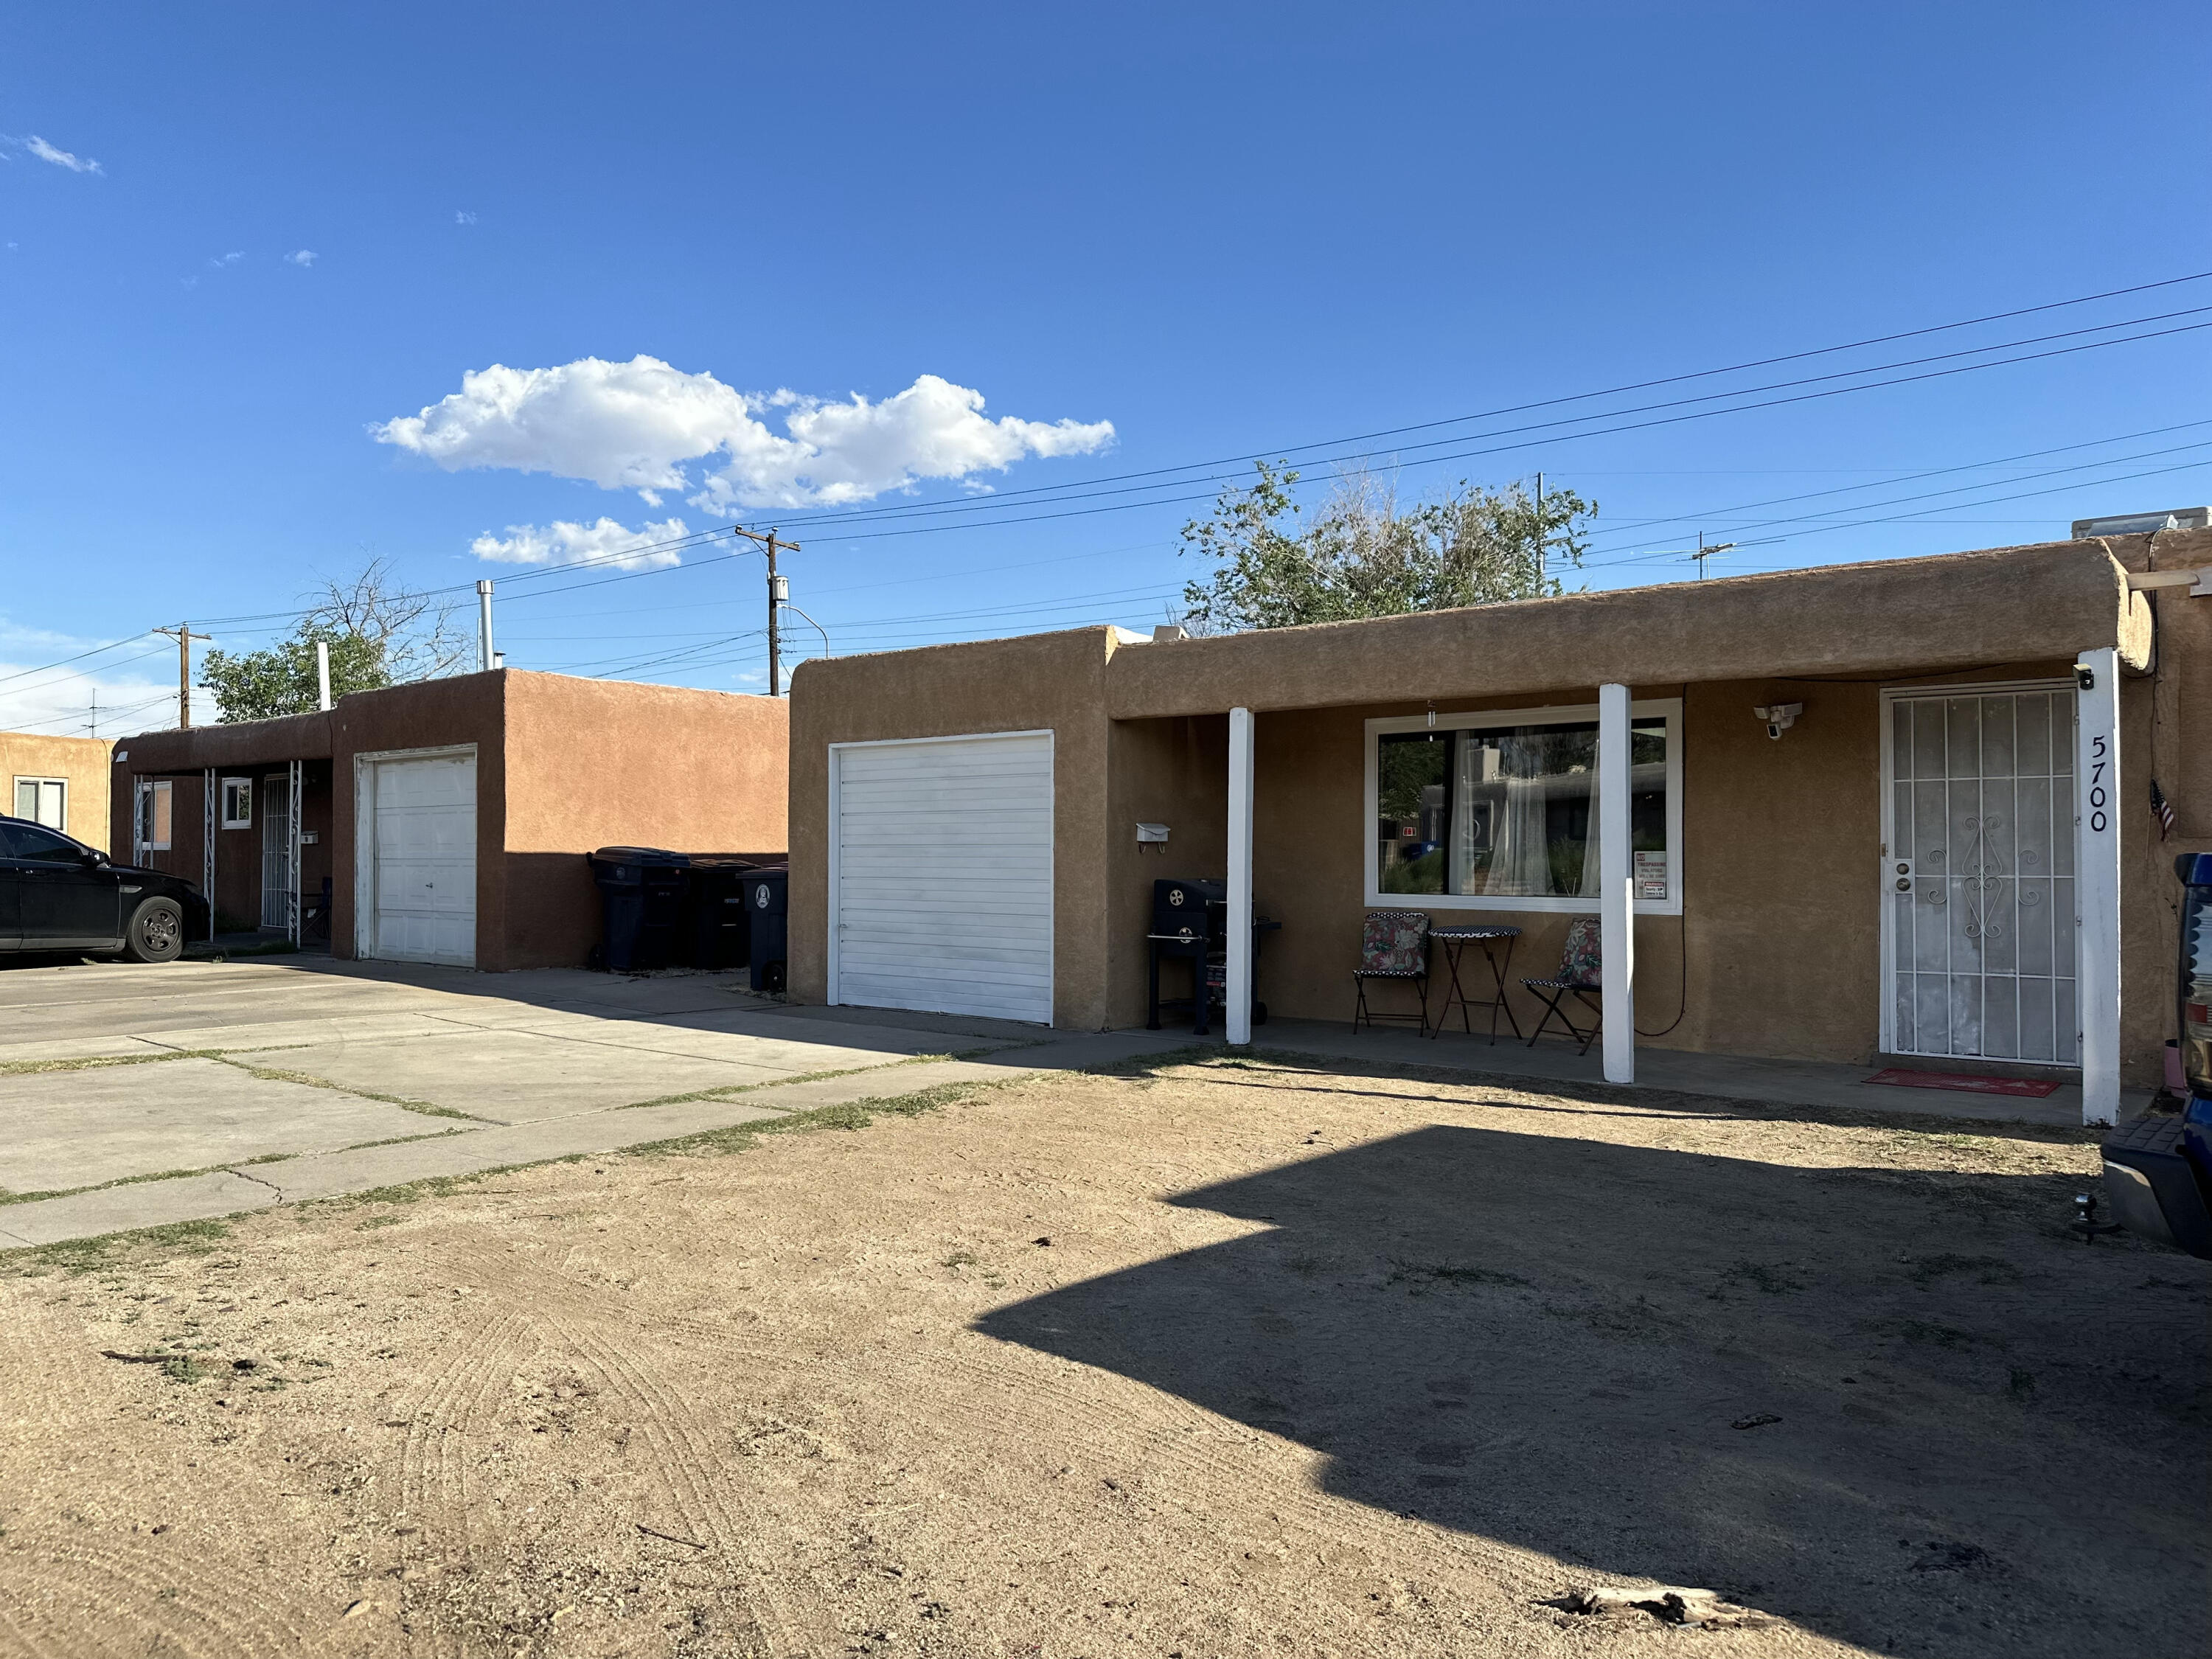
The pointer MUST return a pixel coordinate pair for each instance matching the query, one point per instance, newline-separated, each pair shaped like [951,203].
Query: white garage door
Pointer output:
[941,879]
[422,877]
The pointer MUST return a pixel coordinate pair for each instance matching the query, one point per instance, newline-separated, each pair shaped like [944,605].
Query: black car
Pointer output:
[57,894]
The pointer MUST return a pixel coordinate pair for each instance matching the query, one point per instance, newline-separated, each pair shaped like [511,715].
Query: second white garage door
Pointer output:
[420,875]
[941,875]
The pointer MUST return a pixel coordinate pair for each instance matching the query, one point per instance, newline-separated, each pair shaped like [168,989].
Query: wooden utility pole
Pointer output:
[182,633]
[774,632]
[779,590]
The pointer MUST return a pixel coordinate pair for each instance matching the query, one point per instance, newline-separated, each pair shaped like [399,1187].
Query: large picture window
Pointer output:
[1499,812]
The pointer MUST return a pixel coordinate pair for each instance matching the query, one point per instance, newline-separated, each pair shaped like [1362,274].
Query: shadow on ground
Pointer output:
[1968,1434]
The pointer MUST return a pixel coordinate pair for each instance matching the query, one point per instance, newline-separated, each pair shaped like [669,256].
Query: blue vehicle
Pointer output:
[2158,1169]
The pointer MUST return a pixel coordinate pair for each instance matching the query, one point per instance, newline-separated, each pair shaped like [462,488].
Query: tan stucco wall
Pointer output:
[1175,772]
[1044,681]
[592,763]
[80,763]
[1903,616]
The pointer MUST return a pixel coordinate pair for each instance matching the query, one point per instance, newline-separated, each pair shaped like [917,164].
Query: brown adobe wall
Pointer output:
[594,764]
[466,708]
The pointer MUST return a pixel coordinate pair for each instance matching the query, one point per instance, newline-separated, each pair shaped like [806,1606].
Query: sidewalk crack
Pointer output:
[257,1180]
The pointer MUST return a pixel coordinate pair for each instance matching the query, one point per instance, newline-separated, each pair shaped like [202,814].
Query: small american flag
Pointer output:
[2160,810]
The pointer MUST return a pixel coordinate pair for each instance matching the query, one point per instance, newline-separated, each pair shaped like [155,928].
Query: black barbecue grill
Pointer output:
[1190,923]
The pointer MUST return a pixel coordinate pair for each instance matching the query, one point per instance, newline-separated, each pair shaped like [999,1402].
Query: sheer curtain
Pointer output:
[1513,772]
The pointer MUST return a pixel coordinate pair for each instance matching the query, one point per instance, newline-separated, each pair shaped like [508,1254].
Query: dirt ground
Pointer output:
[1219,1359]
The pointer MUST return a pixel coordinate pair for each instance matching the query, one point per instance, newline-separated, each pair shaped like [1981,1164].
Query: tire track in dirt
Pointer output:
[432,1478]
[696,1480]
[130,1605]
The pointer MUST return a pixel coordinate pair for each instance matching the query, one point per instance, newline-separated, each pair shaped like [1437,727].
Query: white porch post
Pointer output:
[1615,906]
[2097,881]
[1237,989]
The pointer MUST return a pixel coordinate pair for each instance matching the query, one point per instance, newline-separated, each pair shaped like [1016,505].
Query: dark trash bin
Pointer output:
[717,928]
[641,892]
[767,904]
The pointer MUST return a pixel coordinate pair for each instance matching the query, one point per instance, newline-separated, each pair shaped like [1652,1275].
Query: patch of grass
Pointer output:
[99,1062]
[962,1259]
[1929,1333]
[1774,1281]
[730,1090]
[1424,1275]
[274,1074]
[1987,1269]
[78,1256]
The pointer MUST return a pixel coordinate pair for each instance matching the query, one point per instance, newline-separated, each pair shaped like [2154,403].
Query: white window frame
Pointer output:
[61,784]
[151,789]
[244,787]
[1670,709]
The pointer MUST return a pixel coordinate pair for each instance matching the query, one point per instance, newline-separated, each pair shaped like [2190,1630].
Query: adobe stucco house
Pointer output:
[1899,872]
[61,782]
[449,816]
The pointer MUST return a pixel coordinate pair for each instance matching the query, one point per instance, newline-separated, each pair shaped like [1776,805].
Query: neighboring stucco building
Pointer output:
[61,782]
[1899,872]
[449,816]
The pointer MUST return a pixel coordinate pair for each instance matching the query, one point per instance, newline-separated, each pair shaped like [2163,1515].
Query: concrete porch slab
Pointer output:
[70,1129]
[514,1077]
[1775,1082]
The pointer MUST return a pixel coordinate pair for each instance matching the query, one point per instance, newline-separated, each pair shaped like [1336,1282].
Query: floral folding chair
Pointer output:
[1579,979]
[1393,944]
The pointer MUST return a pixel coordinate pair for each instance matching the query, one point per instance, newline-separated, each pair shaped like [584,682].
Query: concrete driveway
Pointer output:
[134,1095]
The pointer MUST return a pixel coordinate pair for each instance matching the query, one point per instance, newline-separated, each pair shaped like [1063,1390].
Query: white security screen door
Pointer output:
[941,875]
[1978,920]
[276,852]
[423,841]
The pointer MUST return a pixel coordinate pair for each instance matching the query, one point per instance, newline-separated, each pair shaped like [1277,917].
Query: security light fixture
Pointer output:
[1779,716]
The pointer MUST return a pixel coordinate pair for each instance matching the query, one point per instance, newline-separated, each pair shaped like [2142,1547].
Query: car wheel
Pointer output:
[156,932]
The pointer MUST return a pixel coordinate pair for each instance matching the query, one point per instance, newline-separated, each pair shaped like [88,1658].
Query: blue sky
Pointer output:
[1220,231]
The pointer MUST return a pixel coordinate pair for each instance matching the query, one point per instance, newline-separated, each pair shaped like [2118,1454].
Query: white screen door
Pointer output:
[275,852]
[1978,920]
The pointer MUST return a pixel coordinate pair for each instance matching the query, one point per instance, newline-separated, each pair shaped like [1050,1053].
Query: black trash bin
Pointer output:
[766,895]
[717,928]
[641,891]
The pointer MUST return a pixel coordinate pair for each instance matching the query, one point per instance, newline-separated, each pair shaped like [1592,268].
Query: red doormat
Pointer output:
[2034,1089]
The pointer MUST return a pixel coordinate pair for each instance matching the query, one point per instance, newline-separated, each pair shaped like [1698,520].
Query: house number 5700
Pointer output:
[2099,748]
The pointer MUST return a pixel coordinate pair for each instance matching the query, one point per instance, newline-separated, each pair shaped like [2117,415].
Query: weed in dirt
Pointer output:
[961,1258]
[1422,1275]
[1774,1281]
[2021,1385]
[1927,1331]
[1987,1269]
[79,1256]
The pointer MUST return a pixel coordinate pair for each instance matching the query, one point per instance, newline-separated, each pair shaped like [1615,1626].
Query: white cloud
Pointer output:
[221,262]
[464,218]
[565,543]
[61,158]
[639,425]
[305,256]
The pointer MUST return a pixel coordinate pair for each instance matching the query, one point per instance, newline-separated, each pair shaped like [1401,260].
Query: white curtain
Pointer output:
[1509,772]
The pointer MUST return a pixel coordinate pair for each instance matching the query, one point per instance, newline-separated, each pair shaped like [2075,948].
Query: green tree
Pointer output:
[1361,555]
[378,635]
